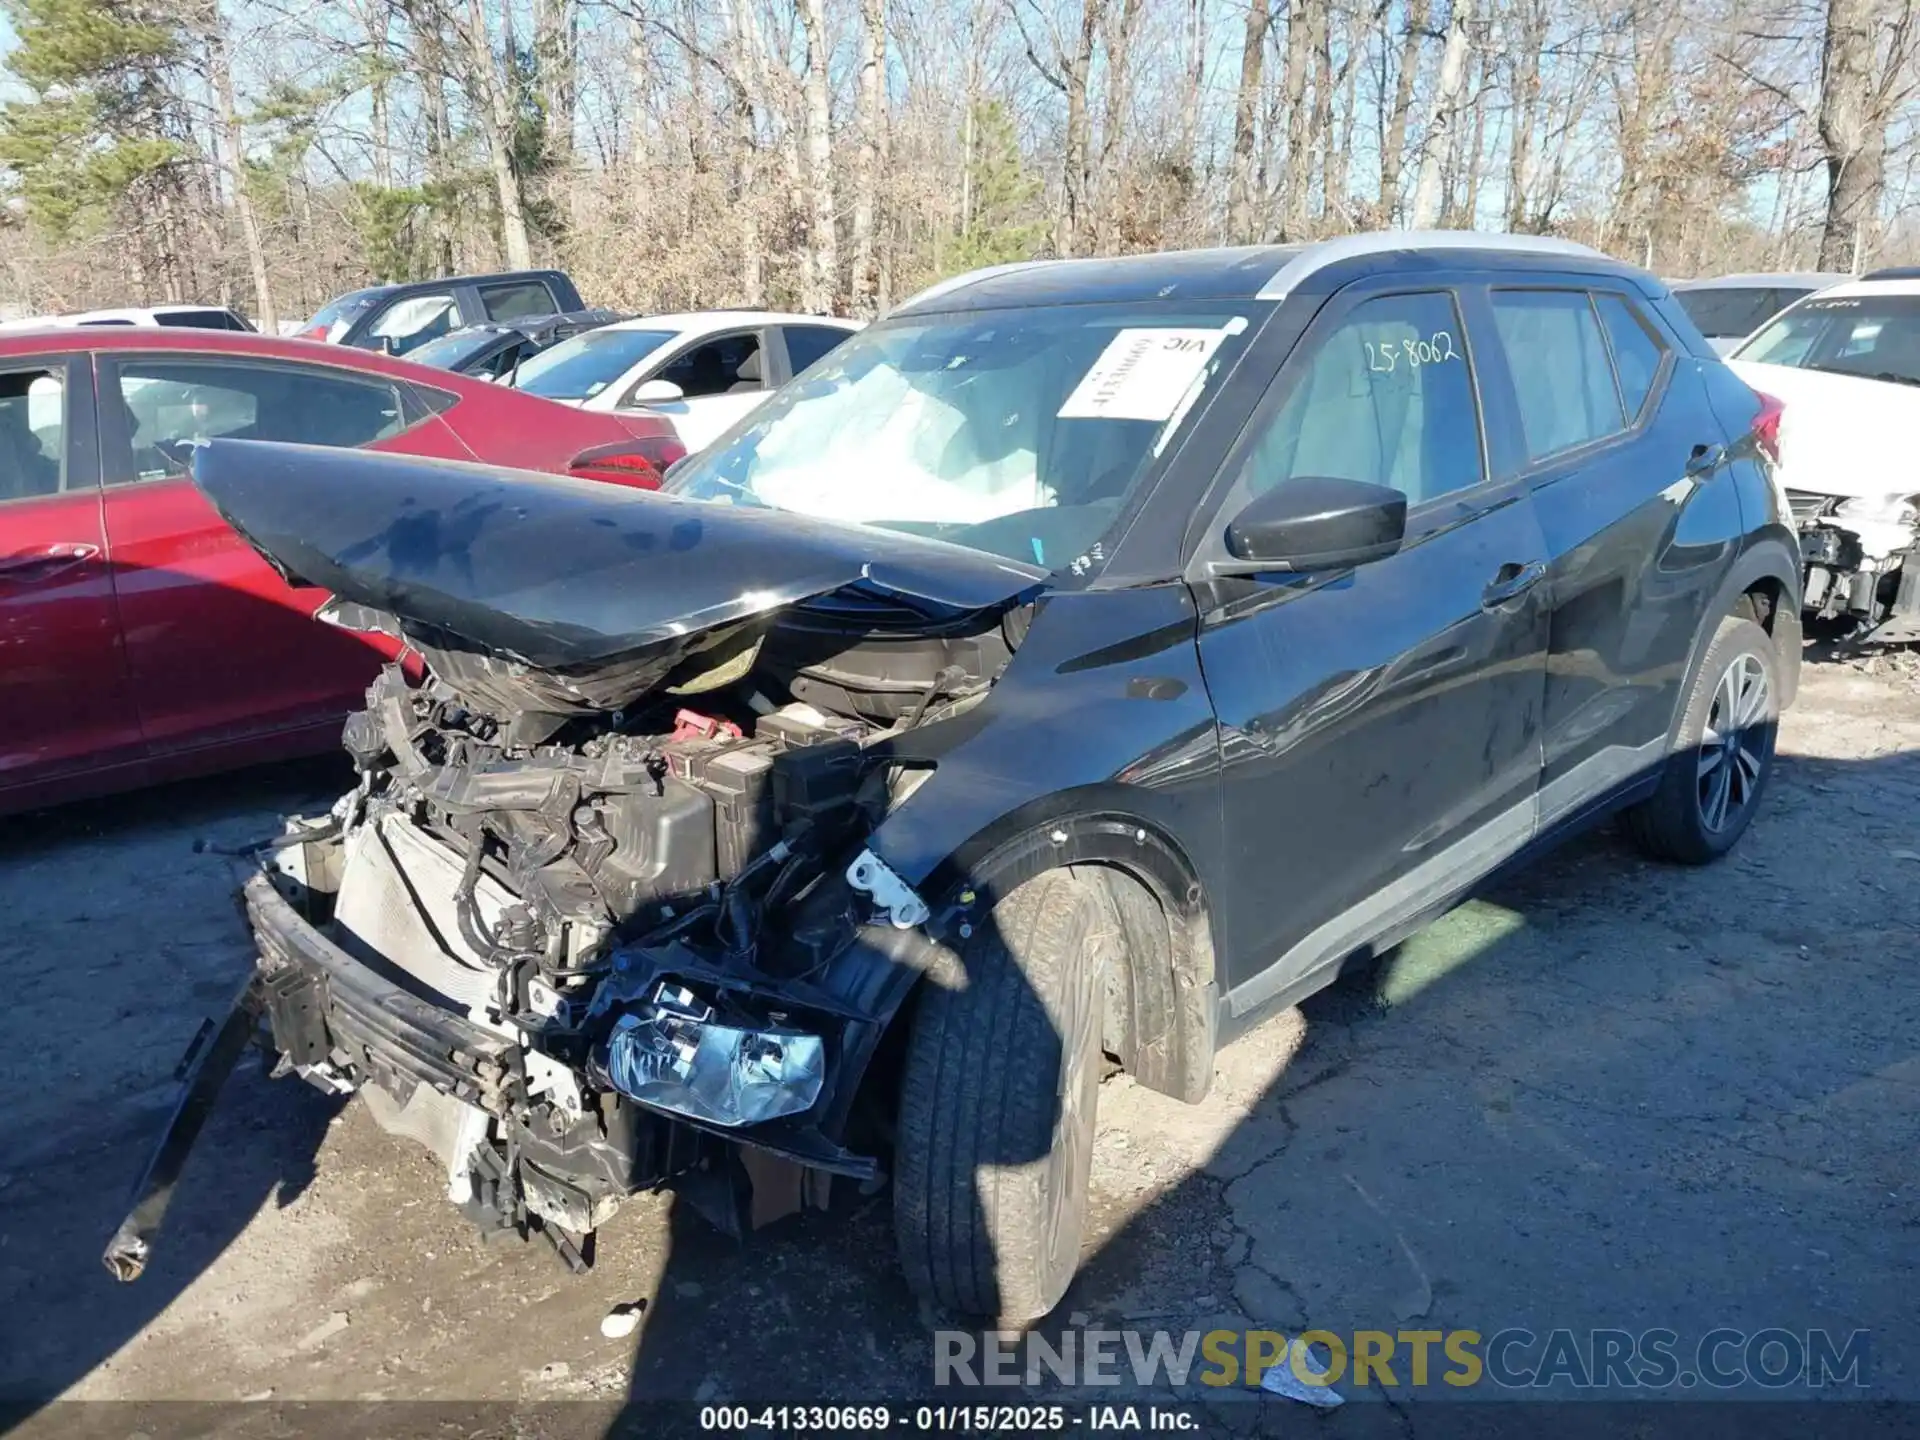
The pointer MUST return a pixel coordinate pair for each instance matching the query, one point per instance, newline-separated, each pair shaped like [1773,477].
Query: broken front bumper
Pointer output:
[1866,573]
[428,1072]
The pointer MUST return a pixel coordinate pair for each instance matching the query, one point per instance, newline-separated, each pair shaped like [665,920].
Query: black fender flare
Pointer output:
[1772,555]
[1164,1010]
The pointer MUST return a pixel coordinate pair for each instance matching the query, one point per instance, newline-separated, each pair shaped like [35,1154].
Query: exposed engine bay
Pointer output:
[639,903]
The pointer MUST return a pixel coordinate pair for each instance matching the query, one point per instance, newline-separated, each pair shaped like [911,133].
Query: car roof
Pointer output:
[695,320]
[1762,280]
[66,340]
[77,317]
[1246,272]
[435,282]
[1892,285]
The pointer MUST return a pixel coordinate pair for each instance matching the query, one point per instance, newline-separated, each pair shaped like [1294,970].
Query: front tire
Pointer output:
[1719,769]
[995,1138]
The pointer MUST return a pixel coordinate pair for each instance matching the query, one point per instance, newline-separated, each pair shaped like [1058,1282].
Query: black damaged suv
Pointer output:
[1077,664]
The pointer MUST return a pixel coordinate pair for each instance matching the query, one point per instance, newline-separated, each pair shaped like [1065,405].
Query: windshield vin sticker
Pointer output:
[1141,375]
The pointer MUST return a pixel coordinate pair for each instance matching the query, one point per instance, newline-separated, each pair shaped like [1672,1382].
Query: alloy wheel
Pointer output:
[1737,743]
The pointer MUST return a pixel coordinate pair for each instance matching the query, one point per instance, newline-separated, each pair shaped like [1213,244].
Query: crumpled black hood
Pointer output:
[560,574]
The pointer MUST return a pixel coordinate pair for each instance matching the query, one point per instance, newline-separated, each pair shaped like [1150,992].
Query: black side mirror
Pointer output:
[1315,522]
[389,345]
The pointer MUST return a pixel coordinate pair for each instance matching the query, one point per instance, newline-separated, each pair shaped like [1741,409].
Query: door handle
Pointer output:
[1513,580]
[32,567]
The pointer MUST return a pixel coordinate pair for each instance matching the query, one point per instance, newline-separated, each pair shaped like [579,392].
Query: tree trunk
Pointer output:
[1320,39]
[556,25]
[1075,185]
[1339,140]
[1471,155]
[1528,40]
[1295,179]
[1195,79]
[871,116]
[382,117]
[1253,49]
[823,245]
[1442,119]
[1393,147]
[235,154]
[498,122]
[1852,134]
[1113,122]
[430,63]
[748,99]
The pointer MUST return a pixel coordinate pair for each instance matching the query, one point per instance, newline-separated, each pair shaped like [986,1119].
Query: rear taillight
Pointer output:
[640,461]
[1766,424]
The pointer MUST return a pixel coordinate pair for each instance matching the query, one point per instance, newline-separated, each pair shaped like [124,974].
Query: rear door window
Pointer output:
[1387,396]
[167,406]
[728,365]
[516,300]
[1637,352]
[33,433]
[1562,378]
[807,343]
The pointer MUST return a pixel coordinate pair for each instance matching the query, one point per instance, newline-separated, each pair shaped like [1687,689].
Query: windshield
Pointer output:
[450,352]
[580,368]
[1737,310]
[1018,432]
[1875,336]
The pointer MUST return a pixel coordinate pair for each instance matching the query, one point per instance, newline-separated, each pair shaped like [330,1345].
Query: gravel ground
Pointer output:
[1603,1094]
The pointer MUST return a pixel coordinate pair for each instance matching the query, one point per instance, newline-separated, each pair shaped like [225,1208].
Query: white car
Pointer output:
[702,371]
[188,317]
[1846,365]
[1729,308]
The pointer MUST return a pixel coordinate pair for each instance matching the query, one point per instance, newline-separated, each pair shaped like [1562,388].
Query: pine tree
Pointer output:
[104,139]
[1004,220]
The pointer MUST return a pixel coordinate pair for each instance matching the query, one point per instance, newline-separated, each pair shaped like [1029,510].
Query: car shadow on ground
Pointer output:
[1603,1094]
[76,1135]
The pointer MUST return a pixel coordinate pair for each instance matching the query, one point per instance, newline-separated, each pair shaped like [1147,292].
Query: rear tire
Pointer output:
[1001,1079]
[1715,777]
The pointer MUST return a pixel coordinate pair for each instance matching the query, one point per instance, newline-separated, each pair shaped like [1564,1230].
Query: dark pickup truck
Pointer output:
[401,318]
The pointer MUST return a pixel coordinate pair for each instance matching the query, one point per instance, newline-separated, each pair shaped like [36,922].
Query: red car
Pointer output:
[140,638]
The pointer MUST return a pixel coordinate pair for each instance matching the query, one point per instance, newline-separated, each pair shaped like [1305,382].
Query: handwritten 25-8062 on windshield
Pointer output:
[1386,356]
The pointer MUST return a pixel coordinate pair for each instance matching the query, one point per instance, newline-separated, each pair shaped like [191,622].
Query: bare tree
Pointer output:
[870,118]
[555,79]
[1393,144]
[233,151]
[1443,117]
[823,244]
[1240,187]
[1526,38]
[826,154]
[1866,57]
[489,80]
[1303,18]
[1117,35]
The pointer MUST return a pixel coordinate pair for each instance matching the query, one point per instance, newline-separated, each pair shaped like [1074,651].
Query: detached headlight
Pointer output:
[674,1056]
[1880,509]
